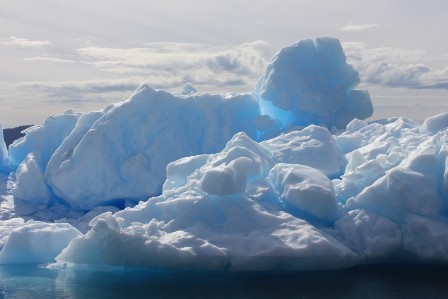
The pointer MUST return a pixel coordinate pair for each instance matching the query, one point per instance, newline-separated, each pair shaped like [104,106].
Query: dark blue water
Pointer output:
[393,281]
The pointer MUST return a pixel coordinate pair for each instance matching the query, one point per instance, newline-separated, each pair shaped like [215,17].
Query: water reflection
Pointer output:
[404,281]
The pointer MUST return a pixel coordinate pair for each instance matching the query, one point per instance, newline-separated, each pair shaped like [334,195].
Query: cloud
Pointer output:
[49,59]
[31,102]
[360,27]
[407,75]
[162,65]
[80,91]
[24,43]
[394,67]
[172,64]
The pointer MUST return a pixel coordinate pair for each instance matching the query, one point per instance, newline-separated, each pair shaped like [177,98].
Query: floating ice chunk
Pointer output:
[310,83]
[37,242]
[305,188]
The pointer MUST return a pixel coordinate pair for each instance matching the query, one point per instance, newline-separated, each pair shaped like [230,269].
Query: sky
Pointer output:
[85,54]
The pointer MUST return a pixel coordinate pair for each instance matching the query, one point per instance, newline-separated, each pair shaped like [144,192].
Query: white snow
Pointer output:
[231,182]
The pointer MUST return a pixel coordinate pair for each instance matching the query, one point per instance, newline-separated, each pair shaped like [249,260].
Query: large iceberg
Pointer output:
[288,177]
[123,150]
[244,209]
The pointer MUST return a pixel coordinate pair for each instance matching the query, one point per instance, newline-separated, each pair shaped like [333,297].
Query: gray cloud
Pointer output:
[396,67]
[79,91]
[168,64]
[162,65]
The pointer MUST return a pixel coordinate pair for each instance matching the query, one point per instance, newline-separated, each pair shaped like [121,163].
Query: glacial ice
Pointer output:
[4,159]
[285,178]
[240,209]
[36,242]
[122,152]
[310,82]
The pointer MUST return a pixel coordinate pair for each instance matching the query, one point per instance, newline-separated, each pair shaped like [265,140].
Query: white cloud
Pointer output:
[24,43]
[31,102]
[360,27]
[438,78]
[78,92]
[172,64]
[162,65]
[396,67]
[48,59]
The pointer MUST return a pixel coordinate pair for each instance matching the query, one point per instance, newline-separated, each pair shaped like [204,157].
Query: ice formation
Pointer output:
[124,150]
[4,160]
[36,242]
[244,209]
[310,82]
[231,182]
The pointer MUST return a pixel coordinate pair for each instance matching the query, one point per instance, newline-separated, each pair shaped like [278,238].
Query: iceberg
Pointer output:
[288,177]
[243,209]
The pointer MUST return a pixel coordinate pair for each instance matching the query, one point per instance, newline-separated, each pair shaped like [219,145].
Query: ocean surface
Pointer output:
[380,281]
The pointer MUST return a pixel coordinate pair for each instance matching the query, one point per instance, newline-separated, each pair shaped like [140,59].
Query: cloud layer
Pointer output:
[90,76]
[162,65]
[168,65]
[393,67]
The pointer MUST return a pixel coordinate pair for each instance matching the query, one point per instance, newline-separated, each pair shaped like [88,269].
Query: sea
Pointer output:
[374,281]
